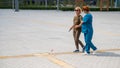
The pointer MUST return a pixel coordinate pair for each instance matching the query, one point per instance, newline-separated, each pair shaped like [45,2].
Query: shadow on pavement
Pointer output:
[108,54]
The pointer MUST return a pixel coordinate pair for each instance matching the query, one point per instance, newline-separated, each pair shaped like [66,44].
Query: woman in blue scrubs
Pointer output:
[87,29]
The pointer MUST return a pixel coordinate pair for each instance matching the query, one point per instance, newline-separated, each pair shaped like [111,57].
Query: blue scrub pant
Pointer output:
[89,44]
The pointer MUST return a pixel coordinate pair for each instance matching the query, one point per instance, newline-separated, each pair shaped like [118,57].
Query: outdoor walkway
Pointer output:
[40,39]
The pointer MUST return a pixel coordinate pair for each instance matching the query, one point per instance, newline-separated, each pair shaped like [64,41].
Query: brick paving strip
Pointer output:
[51,57]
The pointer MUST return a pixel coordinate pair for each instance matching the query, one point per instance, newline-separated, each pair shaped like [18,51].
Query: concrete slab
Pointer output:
[27,35]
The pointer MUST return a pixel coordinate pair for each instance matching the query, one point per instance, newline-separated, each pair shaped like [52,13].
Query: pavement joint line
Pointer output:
[39,22]
[61,25]
[108,33]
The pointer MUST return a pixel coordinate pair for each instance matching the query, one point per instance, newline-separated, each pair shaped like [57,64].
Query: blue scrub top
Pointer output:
[87,23]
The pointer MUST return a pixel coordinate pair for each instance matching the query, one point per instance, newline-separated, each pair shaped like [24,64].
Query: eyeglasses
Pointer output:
[77,10]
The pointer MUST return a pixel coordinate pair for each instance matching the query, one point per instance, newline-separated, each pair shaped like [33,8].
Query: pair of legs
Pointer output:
[76,35]
[89,44]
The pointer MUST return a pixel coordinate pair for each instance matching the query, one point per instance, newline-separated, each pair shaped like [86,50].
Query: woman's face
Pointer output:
[77,11]
[85,11]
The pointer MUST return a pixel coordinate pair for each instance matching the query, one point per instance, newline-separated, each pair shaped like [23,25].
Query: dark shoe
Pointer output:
[76,51]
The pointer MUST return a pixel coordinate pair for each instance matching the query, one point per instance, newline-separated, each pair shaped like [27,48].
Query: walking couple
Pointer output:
[83,25]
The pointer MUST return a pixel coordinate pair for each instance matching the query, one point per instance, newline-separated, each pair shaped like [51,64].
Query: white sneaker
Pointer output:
[85,53]
[94,52]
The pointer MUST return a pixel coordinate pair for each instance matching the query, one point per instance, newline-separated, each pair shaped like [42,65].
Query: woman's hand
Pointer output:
[70,29]
[77,26]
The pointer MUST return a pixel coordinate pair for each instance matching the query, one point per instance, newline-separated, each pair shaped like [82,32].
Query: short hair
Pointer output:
[78,8]
[85,8]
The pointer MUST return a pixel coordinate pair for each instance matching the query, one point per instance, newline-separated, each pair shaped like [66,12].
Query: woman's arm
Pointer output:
[71,28]
[77,26]
[75,20]
[85,19]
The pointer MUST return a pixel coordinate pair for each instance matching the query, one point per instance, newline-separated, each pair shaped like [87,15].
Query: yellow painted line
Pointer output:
[59,62]
[63,53]
[53,59]
[18,56]
[98,51]
[46,54]
[107,50]
[107,32]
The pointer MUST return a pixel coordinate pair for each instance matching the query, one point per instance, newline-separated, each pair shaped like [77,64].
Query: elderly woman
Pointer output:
[87,29]
[77,31]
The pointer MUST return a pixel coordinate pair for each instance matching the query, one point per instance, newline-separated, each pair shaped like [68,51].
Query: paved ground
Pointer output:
[40,39]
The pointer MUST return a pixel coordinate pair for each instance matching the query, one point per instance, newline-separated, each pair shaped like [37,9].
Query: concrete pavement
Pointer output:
[40,38]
